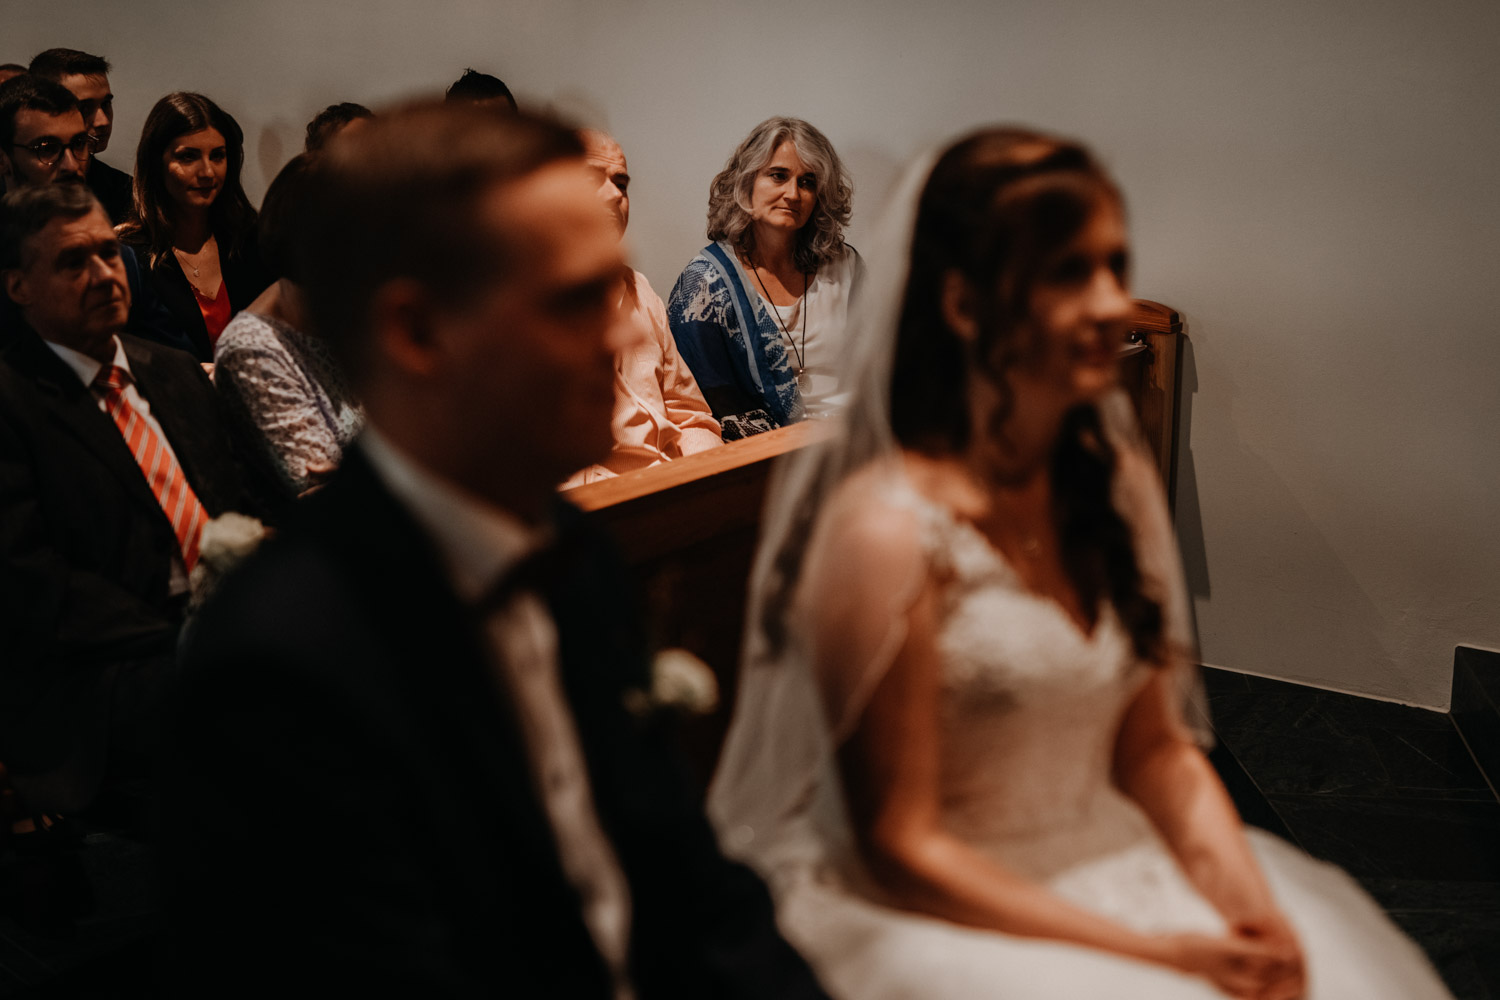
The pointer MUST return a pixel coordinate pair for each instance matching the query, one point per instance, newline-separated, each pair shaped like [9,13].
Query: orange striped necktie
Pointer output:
[157,463]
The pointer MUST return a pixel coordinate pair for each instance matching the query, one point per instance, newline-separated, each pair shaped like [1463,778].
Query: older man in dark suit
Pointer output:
[112,457]
[404,757]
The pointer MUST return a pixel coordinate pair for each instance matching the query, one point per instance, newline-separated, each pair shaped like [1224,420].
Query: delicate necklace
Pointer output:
[183,257]
[803,379]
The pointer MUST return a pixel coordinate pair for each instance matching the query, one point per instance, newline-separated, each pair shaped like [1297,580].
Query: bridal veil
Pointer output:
[775,797]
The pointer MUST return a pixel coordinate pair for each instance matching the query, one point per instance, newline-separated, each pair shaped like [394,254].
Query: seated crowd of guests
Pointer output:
[159,309]
[747,344]
[416,741]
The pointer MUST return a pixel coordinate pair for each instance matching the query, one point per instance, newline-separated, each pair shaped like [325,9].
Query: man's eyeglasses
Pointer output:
[48,149]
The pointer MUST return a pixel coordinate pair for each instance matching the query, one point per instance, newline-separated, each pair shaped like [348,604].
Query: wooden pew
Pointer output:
[688,528]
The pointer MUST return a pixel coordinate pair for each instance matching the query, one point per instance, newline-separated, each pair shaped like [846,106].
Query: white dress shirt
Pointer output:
[479,543]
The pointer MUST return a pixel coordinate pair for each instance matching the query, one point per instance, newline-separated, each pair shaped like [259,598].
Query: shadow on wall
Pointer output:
[876,173]
[1311,620]
[278,143]
[574,107]
[1187,512]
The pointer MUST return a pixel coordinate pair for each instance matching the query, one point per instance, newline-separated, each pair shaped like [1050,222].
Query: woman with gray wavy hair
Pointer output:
[759,314]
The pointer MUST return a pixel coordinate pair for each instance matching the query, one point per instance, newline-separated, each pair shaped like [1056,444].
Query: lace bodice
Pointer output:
[1030,710]
[1030,704]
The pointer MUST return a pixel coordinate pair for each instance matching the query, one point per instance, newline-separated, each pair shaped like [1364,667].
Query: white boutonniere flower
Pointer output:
[226,540]
[680,682]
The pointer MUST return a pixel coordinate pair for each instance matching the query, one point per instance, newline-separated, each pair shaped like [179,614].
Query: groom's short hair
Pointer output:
[399,199]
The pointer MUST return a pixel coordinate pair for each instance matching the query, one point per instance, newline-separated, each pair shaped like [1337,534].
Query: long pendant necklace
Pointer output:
[804,381]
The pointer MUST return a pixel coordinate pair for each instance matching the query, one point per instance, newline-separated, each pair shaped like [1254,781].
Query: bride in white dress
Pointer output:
[964,753]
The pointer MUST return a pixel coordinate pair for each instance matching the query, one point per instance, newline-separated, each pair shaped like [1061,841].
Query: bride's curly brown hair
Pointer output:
[996,208]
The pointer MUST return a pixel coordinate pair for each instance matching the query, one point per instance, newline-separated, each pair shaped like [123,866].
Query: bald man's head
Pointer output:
[604,155]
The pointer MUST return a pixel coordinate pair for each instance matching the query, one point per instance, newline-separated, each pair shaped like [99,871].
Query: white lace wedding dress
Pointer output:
[1030,708]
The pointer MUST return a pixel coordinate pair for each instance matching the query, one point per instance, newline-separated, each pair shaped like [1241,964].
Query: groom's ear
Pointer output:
[401,316]
[959,307]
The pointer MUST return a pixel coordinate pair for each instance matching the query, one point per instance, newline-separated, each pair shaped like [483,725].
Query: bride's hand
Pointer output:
[1243,967]
[1271,929]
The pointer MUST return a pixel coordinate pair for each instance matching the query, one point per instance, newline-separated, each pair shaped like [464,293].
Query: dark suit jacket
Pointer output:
[352,806]
[112,187]
[244,275]
[89,627]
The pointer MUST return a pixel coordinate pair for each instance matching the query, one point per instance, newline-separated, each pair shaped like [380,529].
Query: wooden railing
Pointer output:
[679,504]
[1150,376]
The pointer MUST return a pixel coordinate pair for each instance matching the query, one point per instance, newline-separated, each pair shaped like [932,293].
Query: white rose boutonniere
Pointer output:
[225,541]
[680,682]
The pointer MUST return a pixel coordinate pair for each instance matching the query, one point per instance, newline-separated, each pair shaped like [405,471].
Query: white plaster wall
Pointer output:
[1310,183]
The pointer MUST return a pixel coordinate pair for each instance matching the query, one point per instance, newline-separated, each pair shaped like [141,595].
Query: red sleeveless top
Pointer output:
[216,311]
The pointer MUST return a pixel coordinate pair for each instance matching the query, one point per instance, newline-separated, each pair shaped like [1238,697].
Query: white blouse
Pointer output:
[821,347]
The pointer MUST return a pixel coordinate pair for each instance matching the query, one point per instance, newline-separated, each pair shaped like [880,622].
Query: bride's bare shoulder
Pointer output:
[876,494]
[876,514]
[869,555]
[943,482]
[882,510]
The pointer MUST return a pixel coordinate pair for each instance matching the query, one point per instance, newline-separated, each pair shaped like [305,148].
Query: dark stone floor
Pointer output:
[1391,794]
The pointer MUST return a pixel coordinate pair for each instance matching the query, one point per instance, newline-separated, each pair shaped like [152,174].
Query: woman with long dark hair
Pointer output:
[962,753]
[191,222]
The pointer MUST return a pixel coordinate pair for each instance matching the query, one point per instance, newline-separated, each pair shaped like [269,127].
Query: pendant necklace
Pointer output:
[184,258]
[804,381]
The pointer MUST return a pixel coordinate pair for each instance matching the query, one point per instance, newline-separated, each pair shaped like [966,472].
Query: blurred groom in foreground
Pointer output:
[402,760]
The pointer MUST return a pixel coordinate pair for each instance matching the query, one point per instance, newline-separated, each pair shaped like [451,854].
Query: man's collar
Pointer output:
[85,367]
[478,541]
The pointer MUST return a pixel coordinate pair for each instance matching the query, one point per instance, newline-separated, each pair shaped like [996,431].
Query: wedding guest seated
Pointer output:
[404,762]
[331,121]
[43,137]
[659,412]
[192,225]
[113,455]
[87,78]
[760,313]
[285,392]
[483,90]
[43,140]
